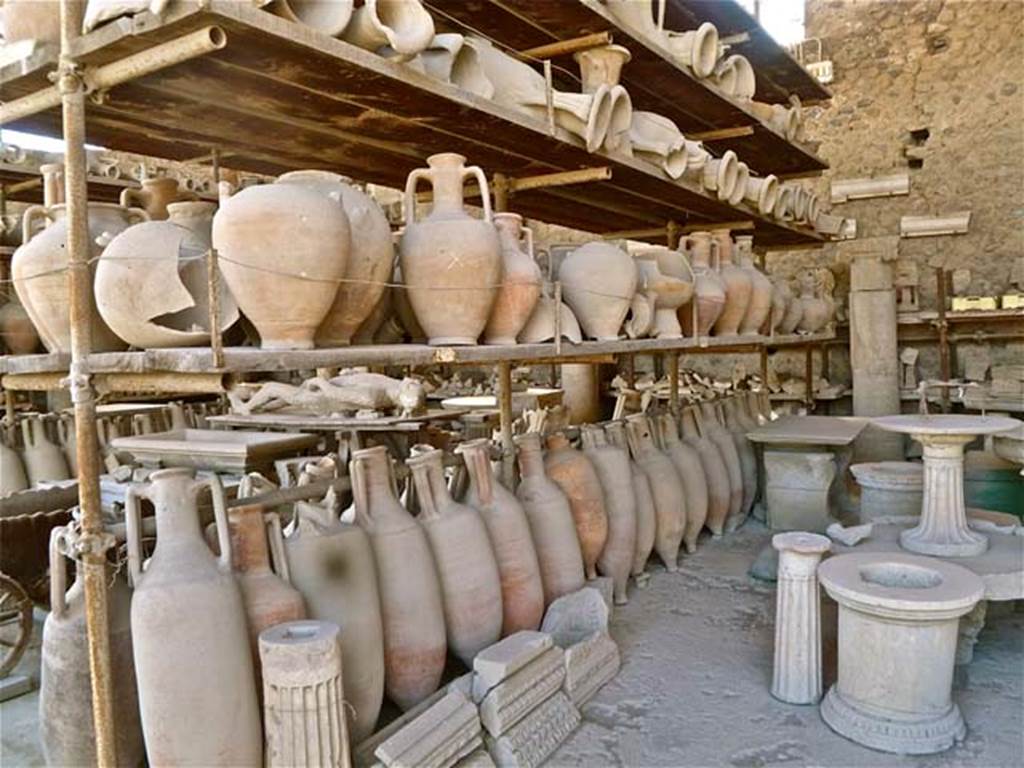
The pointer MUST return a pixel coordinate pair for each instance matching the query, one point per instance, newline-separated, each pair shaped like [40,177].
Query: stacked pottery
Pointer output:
[646,517]
[43,460]
[284,247]
[522,592]
[575,475]
[411,606]
[466,567]
[601,68]
[666,489]
[729,414]
[12,471]
[721,175]
[154,196]
[613,469]
[794,311]
[761,289]
[738,287]
[708,288]
[715,472]
[520,283]
[722,438]
[814,309]
[450,261]
[665,276]
[598,283]
[691,472]
[551,522]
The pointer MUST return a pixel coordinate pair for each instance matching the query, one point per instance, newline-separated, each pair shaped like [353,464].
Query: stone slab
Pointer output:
[503,659]
[514,698]
[809,430]
[575,617]
[589,665]
[534,739]
[13,686]
[606,586]
[446,732]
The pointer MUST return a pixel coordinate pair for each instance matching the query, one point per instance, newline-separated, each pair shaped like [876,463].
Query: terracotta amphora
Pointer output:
[708,289]
[578,479]
[613,469]
[712,428]
[65,683]
[522,591]
[197,691]
[30,20]
[691,471]
[12,470]
[520,283]
[663,275]
[331,563]
[646,517]
[17,334]
[284,248]
[466,566]
[815,312]
[451,261]
[154,195]
[666,489]
[761,289]
[729,415]
[43,459]
[403,27]
[68,441]
[410,594]
[715,471]
[598,283]
[794,312]
[327,16]
[738,287]
[551,522]
[370,257]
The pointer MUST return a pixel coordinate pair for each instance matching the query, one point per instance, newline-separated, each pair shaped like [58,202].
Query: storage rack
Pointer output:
[278,96]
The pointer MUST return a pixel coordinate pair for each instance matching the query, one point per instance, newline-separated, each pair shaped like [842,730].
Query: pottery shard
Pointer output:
[439,738]
[589,665]
[500,661]
[574,617]
[537,736]
[849,535]
[512,700]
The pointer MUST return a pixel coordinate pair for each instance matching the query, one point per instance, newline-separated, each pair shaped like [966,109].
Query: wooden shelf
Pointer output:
[654,81]
[973,325]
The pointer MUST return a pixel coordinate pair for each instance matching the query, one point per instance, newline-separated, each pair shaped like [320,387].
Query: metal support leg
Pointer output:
[508,448]
[673,383]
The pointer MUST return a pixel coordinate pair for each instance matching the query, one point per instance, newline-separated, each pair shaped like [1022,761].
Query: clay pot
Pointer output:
[612,465]
[410,593]
[663,274]
[43,460]
[721,174]
[666,489]
[403,27]
[12,471]
[598,283]
[451,262]
[197,693]
[38,269]
[601,68]
[696,49]
[551,523]
[578,479]
[448,58]
[370,255]
[712,428]
[646,518]
[739,189]
[691,472]
[781,296]
[522,591]
[520,283]
[728,413]
[154,195]
[17,333]
[708,287]
[760,289]
[762,192]
[328,16]
[659,141]
[716,474]
[541,326]
[468,571]
[794,311]
[738,287]
[30,20]
[637,15]
[283,249]
[65,683]
[815,310]
[331,564]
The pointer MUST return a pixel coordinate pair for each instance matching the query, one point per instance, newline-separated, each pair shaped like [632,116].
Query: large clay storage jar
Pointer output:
[646,518]
[370,256]
[794,311]
[12,471]
[197,692]
[65,683]
[39,270]
[551,522]
[470,584]
[284,249]
[331,564]
[815,312]
[410,594]
[722,438]
[729,415]
[154,196]
[708,288]
[715,472]
[738,287]
[575,475]
[44,460]
[666,489]
[691,472]
[30,20]
[761,288]
[522,591]
[598,282]
[17,334]
[520,283]
[451,261]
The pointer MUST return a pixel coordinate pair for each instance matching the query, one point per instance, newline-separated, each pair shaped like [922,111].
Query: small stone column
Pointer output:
[303,708]
[797,675]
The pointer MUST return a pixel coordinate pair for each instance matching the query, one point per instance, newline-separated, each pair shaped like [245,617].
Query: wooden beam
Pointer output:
[565,47]
[721,134]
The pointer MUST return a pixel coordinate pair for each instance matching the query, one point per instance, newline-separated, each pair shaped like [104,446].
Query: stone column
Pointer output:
[796,678]
[303,709]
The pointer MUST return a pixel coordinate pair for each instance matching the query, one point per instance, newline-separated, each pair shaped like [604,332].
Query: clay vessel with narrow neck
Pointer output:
[666,489]
[520,283]
[728,413]
[715,471]
[761,289]
[708,289]
[722,438]
[646,518]
[691,471]
[738,287]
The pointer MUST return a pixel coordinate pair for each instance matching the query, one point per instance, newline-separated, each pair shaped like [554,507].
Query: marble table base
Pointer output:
[798,490]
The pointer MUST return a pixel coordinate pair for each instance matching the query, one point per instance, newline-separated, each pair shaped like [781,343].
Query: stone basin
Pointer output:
[946,424]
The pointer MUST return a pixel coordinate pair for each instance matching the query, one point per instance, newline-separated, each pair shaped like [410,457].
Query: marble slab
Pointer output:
[809,430]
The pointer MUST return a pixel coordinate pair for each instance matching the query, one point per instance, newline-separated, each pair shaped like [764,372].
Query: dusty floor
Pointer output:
[693,689]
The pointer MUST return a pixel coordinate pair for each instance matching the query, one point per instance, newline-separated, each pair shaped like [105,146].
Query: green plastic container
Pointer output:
[993,483]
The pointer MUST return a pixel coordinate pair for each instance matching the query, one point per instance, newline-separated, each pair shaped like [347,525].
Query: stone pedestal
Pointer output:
[796,678]
[889,488]
[798,490]
[898,622]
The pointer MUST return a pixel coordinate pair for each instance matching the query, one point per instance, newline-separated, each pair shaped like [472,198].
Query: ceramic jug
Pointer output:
[575,475]
[197,691]
[794,311]
[708,287]
[451,262]
[154,196]
[522,591]
[815,310]
[65,683]
[666,489]
[598,282]
[397,28]
[12,471]
[284,248]
[715,472]
[520,283]
[43,459]
[466,566]
[761,289]
[748,459]
[17,334]
[613,469]
[551,522]
[664,274]
[410,593]
[646,517]
[738,287]
[30,20]
[331,564]
[691,471]
[722,438]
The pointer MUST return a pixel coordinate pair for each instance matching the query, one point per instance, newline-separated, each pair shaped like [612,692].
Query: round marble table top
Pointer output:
[946,424]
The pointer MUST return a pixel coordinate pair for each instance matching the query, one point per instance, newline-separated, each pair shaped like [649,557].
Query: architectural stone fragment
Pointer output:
[537,736]
[589,665]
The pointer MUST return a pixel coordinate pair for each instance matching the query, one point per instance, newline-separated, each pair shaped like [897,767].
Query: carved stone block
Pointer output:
[512,699]
[503,659]
[438,738]
[589,665]
[537,736]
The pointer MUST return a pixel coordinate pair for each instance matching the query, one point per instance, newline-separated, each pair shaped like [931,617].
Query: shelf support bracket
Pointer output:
[508,448]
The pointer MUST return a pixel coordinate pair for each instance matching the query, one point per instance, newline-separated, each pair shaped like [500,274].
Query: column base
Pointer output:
[970,544]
